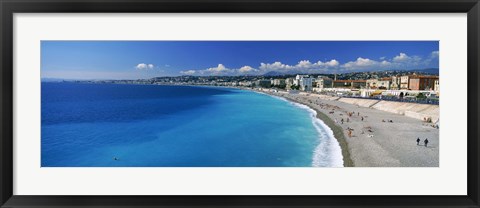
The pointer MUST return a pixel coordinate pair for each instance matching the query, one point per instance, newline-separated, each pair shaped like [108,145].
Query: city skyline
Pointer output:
[146,59]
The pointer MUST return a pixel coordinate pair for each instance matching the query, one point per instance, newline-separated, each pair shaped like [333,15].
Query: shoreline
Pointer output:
[376,138]
[337,130]
[338,134]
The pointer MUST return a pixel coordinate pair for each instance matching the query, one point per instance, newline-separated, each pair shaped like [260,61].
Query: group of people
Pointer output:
[425,142]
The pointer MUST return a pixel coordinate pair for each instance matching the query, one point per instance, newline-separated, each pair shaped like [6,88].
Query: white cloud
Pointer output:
[144,66]
[219,68]
[304,65]
[433,57]
[401,57]
[363,63]
[410,60]
[400,61]
[385,63]
[332,63]
[274,66]
[188,72]
[246,69]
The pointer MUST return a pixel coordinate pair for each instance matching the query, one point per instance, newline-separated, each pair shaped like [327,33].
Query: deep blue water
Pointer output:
[87,125]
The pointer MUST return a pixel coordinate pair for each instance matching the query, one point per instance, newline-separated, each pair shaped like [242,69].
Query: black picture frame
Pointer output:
[9,7]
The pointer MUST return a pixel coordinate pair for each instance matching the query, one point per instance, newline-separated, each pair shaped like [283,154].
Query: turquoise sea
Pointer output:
[108,125]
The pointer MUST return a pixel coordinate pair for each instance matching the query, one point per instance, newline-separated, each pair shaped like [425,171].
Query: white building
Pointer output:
[305,82]
[296,81]
[278,82]
[383,83]
[395,85]
[289,82]
[404,82]
[322,82]
[436,86]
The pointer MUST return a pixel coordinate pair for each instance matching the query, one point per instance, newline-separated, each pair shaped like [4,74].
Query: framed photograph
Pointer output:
[264,103]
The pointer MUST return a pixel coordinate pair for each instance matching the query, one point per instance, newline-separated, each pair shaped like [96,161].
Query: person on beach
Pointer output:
[341,120]
[426,142]
[418,141]
[349,132]
[362,118]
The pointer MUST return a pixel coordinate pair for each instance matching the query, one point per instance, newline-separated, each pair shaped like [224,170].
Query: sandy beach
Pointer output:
[381,139]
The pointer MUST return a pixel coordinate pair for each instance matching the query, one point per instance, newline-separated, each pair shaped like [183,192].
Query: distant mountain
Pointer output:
[273,73]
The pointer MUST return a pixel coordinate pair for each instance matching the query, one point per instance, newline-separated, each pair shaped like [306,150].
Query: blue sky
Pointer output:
[146,59]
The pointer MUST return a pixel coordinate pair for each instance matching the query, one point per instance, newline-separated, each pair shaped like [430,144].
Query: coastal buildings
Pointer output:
[383,83]
[372,83]
[417,82]
[263,83]
[296,81]
[288,83]
[304,82]
[279,82]
[422,82]
[404,82]
[323,82]
[352,84]
[391,85]
[395,84]
[245,83]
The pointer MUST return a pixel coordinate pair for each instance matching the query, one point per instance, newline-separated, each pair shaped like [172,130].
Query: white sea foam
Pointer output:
[328,152]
